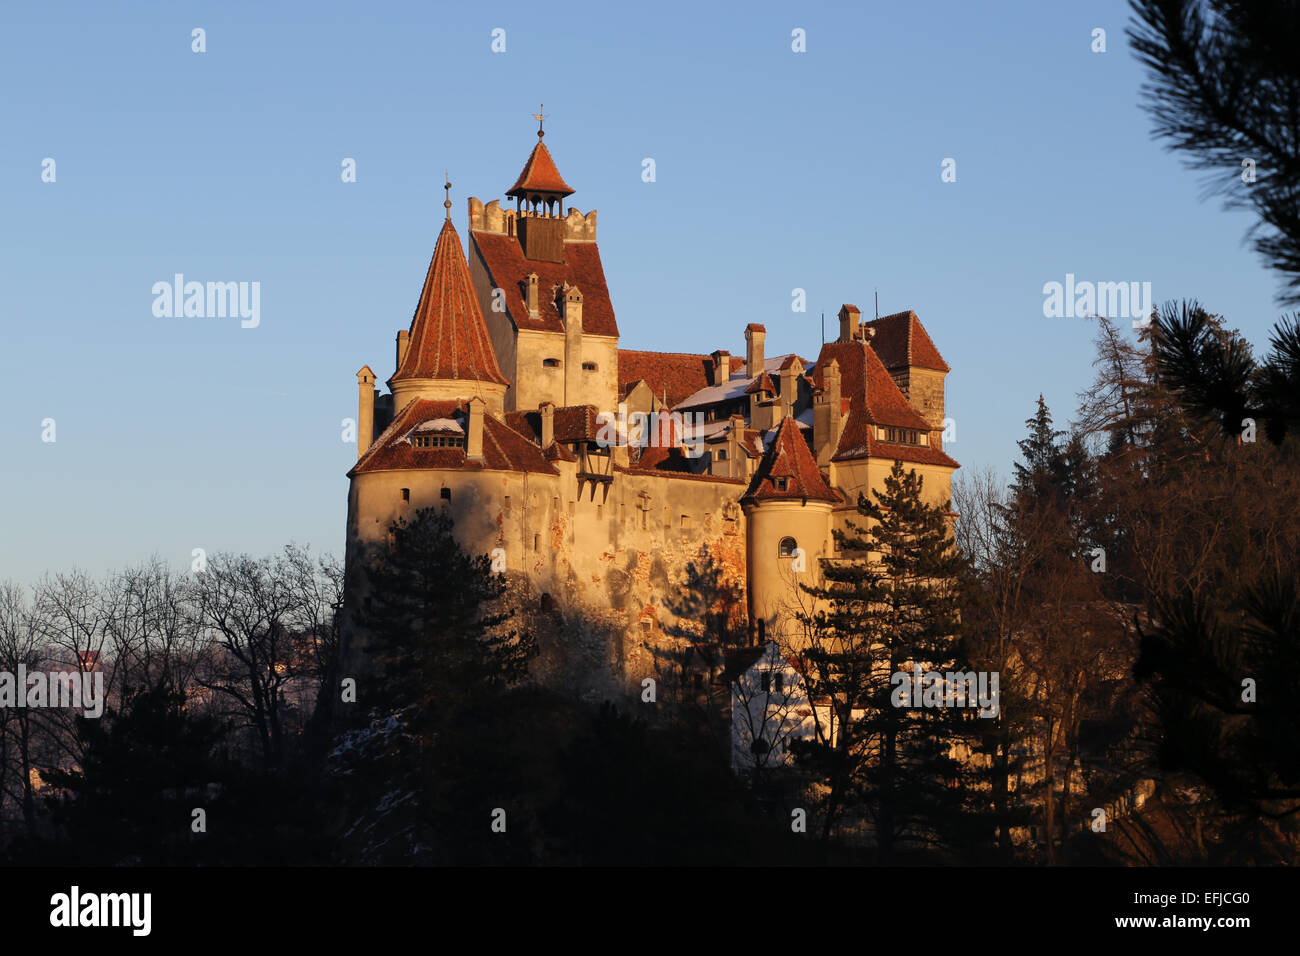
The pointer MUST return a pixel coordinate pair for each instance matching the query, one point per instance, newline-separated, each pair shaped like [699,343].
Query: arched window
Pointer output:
[788,547]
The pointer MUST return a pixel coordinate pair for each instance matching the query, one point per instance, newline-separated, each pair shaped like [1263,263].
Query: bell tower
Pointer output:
[539,195]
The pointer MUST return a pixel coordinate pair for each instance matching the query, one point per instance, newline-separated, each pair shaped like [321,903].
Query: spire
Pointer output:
[447,186]
[449,339]
[540,181]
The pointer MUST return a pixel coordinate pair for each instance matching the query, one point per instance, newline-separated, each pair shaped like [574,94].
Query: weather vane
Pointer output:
[539,116]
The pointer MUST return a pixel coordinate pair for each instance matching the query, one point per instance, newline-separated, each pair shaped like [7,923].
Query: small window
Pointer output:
[537,542]
[589,366]
[686,522]
[722,454]
[780,682]
[406,494]
[781,483]
[762,631]
[767,682]
[550,363]
[788,547]
[445,494]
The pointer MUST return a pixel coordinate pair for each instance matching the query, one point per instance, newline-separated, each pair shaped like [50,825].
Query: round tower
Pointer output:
[788,530]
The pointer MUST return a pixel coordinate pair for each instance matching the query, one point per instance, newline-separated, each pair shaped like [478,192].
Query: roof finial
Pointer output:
[447,186]
[540,116]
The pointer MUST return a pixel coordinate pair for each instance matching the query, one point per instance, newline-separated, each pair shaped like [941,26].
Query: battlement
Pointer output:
[492,218]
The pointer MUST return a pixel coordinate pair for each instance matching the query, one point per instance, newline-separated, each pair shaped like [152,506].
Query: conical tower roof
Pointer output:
[789,458]
[539,175]
[449,339]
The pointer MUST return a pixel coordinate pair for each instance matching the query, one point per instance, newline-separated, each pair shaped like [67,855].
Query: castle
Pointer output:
[647,508]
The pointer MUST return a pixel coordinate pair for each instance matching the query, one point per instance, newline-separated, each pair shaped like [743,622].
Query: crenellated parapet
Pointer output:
[504,222]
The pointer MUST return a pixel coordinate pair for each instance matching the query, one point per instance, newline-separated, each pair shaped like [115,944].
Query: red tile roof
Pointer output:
[504,449]
[508,270]
[680,374]
[763,383]
[901,339]
[539,174]
[572,423]
[672,464]
[449,339]
[789,457]
[874,399]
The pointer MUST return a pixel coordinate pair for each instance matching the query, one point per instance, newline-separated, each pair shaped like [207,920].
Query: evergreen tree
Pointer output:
[890,605]
[437,631]
[445,662]
[1223,84]
[145,766]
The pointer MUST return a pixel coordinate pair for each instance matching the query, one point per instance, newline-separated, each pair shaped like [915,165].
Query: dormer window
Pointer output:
[899,436]
[437,441]
[550,363]
[781,483]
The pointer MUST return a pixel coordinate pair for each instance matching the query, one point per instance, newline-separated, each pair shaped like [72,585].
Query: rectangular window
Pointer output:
[537,541]
[686,522]
[445,494]
[406,494]
[780,682]
[766,682]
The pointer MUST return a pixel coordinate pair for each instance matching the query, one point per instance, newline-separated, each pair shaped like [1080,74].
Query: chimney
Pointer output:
[755,336]
[789,386]
[849,316]
[736,457]
[721,367]
[571,312]
[474,431]
[827,420]
[365,409]
[548,423]
[532,295]
[403,342]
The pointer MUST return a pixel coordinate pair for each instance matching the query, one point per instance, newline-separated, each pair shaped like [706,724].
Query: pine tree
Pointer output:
[1041,472]
[437,632]
[888,606]
[445,663]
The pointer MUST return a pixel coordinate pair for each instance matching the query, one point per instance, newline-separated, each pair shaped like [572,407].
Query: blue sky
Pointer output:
[775,170]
